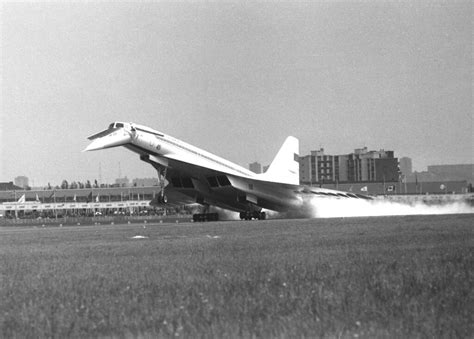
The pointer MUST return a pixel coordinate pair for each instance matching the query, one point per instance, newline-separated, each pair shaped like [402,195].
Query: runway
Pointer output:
[284,278]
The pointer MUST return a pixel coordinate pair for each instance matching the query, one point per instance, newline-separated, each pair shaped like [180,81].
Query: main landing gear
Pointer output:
[249,215]
[201,217]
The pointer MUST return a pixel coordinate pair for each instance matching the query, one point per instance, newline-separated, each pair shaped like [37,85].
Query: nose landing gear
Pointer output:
[161,169]
[162,199]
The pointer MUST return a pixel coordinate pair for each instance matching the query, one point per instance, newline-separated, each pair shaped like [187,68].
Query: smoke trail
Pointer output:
[328,207]
[334,208]
[225,214]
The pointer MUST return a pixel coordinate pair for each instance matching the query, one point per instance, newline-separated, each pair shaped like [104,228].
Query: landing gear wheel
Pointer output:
[163,199]
[245,215]
[249,215]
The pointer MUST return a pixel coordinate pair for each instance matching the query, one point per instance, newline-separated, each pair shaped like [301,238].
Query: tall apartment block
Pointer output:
[360,166]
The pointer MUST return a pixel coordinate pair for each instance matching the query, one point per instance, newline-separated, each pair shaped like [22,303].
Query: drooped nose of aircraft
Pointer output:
[111,137]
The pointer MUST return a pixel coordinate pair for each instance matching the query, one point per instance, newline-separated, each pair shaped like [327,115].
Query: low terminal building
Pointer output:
[82,202]
[82,195]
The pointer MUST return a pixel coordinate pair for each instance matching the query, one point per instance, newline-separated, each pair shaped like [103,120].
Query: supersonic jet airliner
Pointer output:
[204,178]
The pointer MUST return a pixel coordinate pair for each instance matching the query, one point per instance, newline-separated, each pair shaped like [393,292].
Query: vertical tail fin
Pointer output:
[285,167]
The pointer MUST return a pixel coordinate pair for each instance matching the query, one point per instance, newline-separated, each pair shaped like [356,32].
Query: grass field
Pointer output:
[354,277]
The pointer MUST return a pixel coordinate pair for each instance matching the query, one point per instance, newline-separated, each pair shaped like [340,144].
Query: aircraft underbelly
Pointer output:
[226,199]
[241,194]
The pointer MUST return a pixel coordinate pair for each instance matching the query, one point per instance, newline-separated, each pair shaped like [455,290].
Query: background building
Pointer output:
[22,181]
[435,173]
[360,166]
[379,166]
[255,167]
[453,172]
[405,165]
[122,182]
[145,182]
[9,186]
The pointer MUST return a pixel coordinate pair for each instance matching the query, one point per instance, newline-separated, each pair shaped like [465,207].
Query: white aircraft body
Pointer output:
[204,178]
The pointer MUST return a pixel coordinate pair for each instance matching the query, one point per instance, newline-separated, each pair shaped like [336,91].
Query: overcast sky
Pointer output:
[233,79]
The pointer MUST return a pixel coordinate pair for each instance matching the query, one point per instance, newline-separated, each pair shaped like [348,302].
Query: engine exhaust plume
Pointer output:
[224,214]
[334,208]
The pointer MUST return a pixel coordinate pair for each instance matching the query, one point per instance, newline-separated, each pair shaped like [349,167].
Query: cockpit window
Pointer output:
[115,125]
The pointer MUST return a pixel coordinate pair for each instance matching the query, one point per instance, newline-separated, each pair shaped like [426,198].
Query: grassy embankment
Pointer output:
[393,276]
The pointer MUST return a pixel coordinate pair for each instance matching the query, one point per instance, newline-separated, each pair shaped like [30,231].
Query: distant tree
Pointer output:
[88,184]
[49,186]
[80,184]
[96,184]
[27,188]
[73,185]
[64,184]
